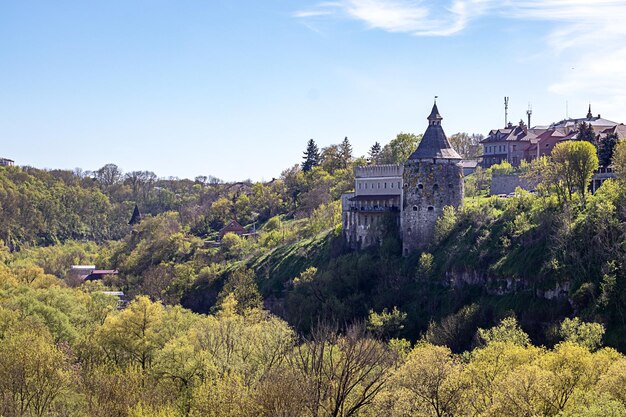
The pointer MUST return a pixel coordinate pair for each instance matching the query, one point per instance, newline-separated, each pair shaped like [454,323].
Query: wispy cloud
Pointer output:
[417,17]
[588,37]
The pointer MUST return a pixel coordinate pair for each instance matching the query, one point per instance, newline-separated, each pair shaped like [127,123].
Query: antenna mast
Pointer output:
[529,112]
[506,111]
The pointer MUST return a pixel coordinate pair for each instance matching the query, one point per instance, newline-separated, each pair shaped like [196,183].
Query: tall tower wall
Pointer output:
[428,188]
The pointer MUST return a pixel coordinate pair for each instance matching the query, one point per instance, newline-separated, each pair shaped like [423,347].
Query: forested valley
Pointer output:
[518,309]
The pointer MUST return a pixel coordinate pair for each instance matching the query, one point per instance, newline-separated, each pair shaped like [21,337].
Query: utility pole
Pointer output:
[506,112]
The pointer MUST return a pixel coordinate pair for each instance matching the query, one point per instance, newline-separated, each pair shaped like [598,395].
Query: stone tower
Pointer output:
[433,179]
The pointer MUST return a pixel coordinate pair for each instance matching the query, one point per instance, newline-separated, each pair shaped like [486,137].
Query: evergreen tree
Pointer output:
[311,156]
[606,148]
[585,132]
[374,153]
[345,150]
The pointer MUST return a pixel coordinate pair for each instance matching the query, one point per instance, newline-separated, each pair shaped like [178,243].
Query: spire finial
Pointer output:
[434,118]
[589,114]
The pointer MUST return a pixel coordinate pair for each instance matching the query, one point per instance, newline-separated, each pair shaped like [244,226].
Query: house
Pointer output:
[510,144]
[469,166]
[98,274]
[80,273]
[5,162]
[514,144]
[233,227]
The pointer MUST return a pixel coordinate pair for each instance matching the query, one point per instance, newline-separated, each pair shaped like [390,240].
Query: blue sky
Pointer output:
[235,88]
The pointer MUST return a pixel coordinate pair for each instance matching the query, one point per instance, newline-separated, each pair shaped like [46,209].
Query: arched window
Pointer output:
[431,208]
[436,187]
[414,208]
[420,186]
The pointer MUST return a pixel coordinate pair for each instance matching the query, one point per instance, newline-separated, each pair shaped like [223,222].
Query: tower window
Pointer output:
[420,186]
[414,208]
[450,185]
[430,208]
[435,187]
[385,185]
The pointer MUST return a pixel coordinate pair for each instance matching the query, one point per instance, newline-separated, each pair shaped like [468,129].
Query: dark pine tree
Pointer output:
[345,150]
[374,153]
[606,148]
[585,132]
[311,156]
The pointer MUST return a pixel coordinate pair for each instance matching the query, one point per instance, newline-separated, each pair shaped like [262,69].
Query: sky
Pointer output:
[235,88]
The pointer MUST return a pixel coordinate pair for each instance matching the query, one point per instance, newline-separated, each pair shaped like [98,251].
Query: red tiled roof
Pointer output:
[233,227]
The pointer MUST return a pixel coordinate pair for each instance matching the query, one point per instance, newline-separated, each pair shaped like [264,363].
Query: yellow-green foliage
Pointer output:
[67,352]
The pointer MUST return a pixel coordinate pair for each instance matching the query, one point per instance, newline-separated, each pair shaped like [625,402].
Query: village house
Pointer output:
[5,162]
[235,228]
[514,144]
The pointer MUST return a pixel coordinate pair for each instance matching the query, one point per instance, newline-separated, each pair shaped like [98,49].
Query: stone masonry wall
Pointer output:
[505,183]
[428,188]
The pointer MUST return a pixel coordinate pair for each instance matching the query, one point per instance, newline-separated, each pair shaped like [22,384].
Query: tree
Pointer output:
[345,150]
[311,156]
[386,324]
[606,149]
[575,162]
[132,336]
[242,285]
[619,160]
[33,373]
[400,148]
[588,335]
[331,158]
[374,154]
[342,374]
[468,146]
[508,331]
[586,133]
[429,382]
[108,175]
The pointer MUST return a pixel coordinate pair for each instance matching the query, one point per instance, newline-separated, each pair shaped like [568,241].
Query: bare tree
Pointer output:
[342,373]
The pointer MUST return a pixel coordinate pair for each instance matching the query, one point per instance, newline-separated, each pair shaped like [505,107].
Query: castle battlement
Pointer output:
[375,171]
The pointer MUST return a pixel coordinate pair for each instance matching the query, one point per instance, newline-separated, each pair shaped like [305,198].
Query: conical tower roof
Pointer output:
[136,217]
[435,144]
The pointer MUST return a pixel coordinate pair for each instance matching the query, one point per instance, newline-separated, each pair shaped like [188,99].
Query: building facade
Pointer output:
[514,144]
[375,202]
[5,162]
[409,198]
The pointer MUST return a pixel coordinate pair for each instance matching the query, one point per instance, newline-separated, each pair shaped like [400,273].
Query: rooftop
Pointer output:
[434,144]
